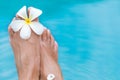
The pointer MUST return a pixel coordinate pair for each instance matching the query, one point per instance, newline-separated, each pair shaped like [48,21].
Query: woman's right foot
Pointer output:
[26,54]
[49,51]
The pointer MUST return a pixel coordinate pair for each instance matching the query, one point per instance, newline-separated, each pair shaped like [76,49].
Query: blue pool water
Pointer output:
[87,31]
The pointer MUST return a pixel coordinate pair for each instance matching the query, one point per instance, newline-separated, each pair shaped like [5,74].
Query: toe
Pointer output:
[44,35]
[56,46]
[48,36]
[56,49]
[10,31]
[41,36]
[52,41]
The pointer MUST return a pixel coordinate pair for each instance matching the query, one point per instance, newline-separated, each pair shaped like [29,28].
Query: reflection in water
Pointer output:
[88,38]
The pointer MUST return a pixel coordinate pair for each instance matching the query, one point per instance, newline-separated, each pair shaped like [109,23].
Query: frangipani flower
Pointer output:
[27,22]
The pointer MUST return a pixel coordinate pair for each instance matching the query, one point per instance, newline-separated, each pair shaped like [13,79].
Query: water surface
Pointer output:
[87,32]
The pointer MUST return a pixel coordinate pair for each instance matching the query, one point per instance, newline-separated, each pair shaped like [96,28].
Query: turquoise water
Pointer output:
[87,31]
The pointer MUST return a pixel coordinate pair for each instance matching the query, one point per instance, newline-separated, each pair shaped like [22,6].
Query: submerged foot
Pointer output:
[49,52]
[26,54]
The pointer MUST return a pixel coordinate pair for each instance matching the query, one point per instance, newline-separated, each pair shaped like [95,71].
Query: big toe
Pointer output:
[49,37]
[53,45]
[44,35]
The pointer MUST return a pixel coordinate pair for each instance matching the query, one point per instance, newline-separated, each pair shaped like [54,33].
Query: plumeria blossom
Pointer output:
[50,77]
[27,22]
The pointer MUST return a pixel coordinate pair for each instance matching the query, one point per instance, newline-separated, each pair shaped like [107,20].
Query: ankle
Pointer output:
[29,74]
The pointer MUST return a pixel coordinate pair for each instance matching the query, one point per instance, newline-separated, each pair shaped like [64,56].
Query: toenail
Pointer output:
[56,43]
[48,31]
[50,76]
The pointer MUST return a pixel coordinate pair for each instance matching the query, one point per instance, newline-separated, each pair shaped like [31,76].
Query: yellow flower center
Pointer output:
[28,21]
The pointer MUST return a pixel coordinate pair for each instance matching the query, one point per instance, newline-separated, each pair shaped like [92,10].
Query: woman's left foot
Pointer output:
[50,69]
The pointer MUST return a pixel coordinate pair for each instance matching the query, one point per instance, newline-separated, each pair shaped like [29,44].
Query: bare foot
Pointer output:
[48,56]
[27,56]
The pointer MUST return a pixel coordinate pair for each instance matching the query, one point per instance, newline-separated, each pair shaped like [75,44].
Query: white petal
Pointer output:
[22,12]
[25,32]
[34,13]
[50,77]
[16,25]
[37,27]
